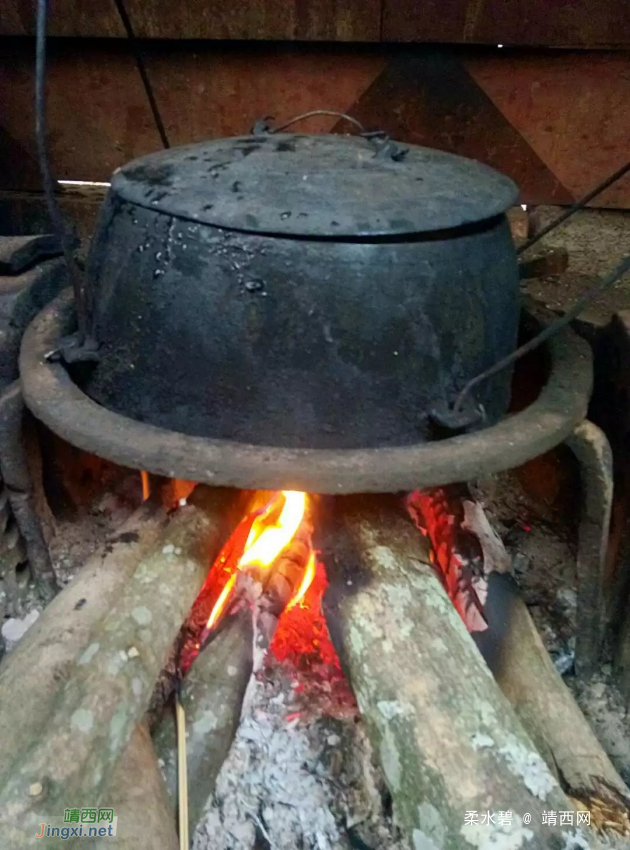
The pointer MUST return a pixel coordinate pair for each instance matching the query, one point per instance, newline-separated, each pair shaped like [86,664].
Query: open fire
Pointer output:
[268,563]
[272,529]
[280,742]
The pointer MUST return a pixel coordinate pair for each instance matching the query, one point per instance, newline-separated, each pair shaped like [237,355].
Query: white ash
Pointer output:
[299,775]
[14,629]
[607,714]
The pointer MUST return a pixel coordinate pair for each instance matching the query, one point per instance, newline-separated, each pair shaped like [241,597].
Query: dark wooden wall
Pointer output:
[559,23]
[556,120]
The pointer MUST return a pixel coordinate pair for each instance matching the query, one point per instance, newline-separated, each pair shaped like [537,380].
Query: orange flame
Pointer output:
[219,605]
[266,542]
[270,534]
[307,580]
[146,485]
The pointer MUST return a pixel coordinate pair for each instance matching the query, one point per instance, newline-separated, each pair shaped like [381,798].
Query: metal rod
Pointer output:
[577,206]
[148,88]
[601,286]
[48,181]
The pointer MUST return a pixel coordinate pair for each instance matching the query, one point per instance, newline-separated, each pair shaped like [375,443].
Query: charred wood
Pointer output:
[512,648]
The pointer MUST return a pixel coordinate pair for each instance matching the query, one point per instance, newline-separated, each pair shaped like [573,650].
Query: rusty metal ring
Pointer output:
[56,400]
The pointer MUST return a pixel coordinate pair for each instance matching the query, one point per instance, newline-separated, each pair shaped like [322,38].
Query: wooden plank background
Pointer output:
[576,23]
[556,121]
[307,20]
[557,23]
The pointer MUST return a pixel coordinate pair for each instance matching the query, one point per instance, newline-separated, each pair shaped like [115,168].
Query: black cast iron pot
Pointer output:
[297,290]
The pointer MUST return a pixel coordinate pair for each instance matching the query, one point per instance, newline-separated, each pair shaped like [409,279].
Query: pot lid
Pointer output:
[315,186]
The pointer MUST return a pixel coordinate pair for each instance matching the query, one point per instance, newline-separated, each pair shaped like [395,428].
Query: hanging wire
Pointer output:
[574,311]
[146,82]
[314,112]
[48,181]
[577,206]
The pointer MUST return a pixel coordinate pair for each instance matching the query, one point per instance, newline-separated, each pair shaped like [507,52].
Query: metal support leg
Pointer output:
[590,446]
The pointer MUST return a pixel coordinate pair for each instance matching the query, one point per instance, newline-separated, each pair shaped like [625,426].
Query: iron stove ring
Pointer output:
[59,403]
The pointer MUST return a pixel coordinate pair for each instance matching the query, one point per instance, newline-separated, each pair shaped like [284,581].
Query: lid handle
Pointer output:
[384,147]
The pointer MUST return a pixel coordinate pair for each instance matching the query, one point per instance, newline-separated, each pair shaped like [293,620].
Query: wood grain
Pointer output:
[432,100]
[98,116]
[308,20]
[509,22]
[572,108]
[520,22]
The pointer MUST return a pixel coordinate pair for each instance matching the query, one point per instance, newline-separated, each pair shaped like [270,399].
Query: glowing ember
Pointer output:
[272,543]
[146,487]
[302,638]
[272,530]
[175,492]
[455,553]
[172,493]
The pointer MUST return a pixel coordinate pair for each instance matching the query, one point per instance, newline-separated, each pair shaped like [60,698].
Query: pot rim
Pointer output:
[53,397]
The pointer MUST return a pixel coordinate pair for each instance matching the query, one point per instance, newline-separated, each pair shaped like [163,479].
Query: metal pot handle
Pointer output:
[383,146]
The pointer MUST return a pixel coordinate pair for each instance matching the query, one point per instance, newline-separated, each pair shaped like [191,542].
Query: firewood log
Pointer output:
[284,582]
[212,694]
[34,674]
[525,673]
[448,741]
[69,759]
[41,661]
[146,818]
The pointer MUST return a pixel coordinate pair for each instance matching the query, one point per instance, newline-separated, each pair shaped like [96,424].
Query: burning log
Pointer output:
[272,564]
[67,755]
[512,648]
[292,572]
[449,743]
[211,694]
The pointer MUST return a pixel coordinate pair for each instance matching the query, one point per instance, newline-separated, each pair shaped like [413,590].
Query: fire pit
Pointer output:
[372,555]
[350,546]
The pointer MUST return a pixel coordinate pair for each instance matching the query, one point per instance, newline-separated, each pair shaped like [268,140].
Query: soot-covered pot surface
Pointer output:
[301,291]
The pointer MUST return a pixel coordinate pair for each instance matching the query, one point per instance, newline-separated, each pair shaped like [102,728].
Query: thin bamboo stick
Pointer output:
[182,774]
